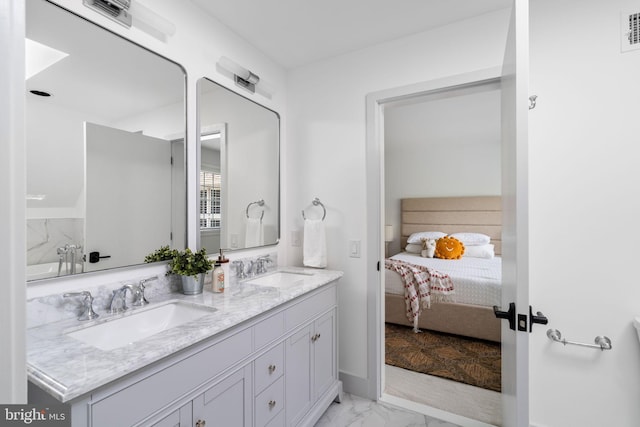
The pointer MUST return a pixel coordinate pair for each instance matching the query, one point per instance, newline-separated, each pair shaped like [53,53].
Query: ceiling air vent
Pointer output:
[630,26]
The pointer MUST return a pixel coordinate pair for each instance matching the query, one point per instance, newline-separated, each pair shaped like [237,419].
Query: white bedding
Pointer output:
[476,281]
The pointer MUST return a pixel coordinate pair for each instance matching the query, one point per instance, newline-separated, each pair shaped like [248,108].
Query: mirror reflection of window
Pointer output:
[210,185]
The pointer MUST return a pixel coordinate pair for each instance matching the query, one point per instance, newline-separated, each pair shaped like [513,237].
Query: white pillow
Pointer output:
[481,251]
[413,248]
[472,239]
[417,237]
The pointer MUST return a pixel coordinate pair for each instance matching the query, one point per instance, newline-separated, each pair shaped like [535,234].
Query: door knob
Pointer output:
[96,257]
[537,318]
[510,315]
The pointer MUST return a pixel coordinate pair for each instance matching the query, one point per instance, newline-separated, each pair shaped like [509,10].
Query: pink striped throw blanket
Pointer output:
[421,284]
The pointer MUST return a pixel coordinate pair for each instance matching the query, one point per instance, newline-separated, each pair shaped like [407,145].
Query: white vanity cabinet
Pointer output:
[311,369]
[311,366]
[279,368]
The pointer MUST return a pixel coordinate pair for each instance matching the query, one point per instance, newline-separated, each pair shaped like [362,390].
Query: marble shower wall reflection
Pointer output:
[45,236]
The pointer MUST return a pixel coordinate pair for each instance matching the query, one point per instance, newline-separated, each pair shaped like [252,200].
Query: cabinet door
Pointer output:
[298,375]
[226,404]
[178,418]
[324,354]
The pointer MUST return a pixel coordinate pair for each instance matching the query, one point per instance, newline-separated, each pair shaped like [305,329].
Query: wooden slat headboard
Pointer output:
[480,214]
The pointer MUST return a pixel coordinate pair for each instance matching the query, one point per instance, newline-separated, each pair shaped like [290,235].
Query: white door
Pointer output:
[515,286]
[128,190]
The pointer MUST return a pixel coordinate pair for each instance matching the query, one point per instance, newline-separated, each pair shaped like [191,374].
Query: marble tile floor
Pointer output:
[356,411]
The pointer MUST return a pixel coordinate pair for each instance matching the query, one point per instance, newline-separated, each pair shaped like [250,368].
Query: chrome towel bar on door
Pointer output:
[603,343]
[317,202]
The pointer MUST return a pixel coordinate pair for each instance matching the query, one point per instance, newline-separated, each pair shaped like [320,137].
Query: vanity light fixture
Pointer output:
[130,14]
[114,9]
[244,78]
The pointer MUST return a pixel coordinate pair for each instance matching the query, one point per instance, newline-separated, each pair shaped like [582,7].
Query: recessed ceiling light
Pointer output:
[40,93]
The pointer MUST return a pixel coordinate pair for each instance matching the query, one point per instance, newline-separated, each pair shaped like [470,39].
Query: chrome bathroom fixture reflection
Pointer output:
[259,203]
[87,313]
[126,13]
[601,342]
[70,256]
[317,202]
[118,10]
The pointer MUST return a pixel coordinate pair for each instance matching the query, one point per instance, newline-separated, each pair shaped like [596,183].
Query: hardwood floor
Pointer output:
[461,399]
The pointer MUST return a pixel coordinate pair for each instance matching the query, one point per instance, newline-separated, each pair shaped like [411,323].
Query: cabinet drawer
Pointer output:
[310,307]
[132,404]
[268,330]
[269,403]
[268,368]
[277,421]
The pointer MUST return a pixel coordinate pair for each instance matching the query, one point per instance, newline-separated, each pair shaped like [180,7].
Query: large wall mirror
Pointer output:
[239,170]
[105,151]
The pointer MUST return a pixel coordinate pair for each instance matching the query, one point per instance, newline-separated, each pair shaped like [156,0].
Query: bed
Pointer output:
[476,280]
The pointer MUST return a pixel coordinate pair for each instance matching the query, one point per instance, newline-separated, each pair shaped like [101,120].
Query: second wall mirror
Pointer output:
[239,168]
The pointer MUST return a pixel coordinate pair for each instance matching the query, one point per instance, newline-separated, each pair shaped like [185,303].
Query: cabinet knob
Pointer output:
[272,403]
[272,369]
[315,338]
[201,423]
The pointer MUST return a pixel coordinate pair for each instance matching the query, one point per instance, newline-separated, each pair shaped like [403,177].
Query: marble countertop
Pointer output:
[67,368]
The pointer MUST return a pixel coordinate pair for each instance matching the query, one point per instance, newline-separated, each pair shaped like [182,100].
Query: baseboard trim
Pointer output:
[357,386]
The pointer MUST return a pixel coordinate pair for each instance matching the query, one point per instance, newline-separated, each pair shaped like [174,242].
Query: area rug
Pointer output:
[466,360]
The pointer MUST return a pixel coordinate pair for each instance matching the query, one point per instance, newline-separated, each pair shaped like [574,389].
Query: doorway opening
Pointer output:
[420,159]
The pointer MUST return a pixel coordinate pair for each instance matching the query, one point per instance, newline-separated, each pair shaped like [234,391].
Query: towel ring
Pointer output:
[317,202]
[259,203]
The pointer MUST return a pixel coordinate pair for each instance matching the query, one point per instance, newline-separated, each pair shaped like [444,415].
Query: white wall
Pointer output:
[326,152]
[584,208]
[443,147]
[13,384]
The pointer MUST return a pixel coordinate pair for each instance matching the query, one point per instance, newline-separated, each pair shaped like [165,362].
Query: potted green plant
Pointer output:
[191,266]
[164,253]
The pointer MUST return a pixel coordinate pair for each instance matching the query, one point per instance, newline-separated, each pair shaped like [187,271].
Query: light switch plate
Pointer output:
[354,248]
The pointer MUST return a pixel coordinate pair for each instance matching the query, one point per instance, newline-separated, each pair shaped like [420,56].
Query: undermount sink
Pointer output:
[280,279]
[140,324]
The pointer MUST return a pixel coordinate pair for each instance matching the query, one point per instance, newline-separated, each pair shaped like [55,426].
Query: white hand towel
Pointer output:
[315,246]
[254,233]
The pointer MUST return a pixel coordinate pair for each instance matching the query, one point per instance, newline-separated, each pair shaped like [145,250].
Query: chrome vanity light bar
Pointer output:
[114,9]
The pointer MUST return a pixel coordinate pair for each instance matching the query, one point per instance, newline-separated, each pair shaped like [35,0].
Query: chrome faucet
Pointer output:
[118,301]
[138,292]
[88,313]
[239,267]
[249,269]
[261,264]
